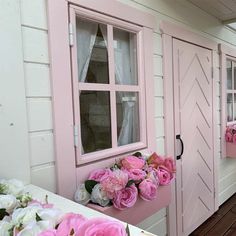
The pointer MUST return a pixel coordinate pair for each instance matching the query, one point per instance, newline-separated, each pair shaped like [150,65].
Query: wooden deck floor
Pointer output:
[222,223]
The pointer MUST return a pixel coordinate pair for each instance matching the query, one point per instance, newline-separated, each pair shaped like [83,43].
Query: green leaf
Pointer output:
[89,185]
[2,188]
[137,154]
[130,182]
[38,218]
[3,213]
[127,230]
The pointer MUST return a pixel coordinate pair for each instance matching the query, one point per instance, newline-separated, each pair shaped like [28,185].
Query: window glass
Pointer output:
[127,118]
[95,118]
[229,107]
[125,53]
[92,52]
[229,74]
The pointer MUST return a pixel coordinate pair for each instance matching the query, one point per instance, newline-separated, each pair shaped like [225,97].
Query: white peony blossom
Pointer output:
[4,228]
[81,195]
[8,202]
[99,196]
[13,186]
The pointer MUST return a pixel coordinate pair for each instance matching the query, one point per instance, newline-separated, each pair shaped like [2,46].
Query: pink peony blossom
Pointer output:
[99,174]
[50,232]
[101,227]
[125,198]
[135,174]
[170,164]
[147,190]
[132,162]
[228,137]
[71,222]
[154,160]
[116,181]
[152,175]
[164,175]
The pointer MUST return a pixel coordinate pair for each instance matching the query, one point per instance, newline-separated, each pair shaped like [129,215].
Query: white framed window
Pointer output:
[108,85]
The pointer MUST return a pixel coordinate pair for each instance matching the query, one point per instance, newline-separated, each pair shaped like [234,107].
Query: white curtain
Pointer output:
[124,74]
[86,36]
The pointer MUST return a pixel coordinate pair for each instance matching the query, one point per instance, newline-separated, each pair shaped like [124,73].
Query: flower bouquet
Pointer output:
[132,177]
[230,134]
[20,215]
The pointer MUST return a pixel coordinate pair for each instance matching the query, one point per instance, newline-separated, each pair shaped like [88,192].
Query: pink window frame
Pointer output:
[76,11]
[226,52]
[67,171]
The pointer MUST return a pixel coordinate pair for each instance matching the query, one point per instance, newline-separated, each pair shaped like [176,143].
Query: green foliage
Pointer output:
[89,185]
[38,218]
[137,154]
[3,213]
[130,182]
[127,230]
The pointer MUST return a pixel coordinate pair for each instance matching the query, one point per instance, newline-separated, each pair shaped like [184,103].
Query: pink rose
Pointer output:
[170,164]
[132,162]
[228,137]
[116,181]
[164,175]
[71,222]
[152,175]
[50,232]
[103,227]
[154,160]
[99,174]
[135,174]
[147,190]
[125,198]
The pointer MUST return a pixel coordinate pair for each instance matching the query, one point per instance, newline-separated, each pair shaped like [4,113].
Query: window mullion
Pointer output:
[112,84]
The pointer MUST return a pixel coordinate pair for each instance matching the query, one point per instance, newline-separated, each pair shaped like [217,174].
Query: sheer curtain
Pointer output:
[124,74]
[86,36]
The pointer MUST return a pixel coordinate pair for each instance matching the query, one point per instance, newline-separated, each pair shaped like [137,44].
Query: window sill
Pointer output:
[141,210]
[230,150]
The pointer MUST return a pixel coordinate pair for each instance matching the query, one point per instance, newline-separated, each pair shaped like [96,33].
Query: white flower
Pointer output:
[8,202]
[99,196]
[13,186]
[4,228]
[81,195]
[35,228]
[25,215]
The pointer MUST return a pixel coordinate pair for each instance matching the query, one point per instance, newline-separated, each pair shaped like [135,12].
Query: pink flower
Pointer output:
[164,175]
[132,162]
[50,232]
[170,164]
[71,222]
[152,175]
[228,137]
[125,198]
[116,181]
[99,174]
[234,138]
[154,160]
[43,205]
[135,174]
[101,227]
[147,190]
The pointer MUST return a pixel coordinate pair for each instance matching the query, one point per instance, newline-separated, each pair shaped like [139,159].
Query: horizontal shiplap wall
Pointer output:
[38,92]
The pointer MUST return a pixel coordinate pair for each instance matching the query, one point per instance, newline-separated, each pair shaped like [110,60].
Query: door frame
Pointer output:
[170,31]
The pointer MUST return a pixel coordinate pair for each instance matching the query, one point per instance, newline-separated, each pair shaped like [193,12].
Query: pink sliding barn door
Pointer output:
[194,123]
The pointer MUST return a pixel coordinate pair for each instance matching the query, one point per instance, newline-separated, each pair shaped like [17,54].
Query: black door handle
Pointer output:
[182,146]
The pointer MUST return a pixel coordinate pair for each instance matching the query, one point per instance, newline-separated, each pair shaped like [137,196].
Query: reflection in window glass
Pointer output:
[92,52]
[229,107]
[234,107]
[128,129]
[95,120]
[229,74]
[125,53]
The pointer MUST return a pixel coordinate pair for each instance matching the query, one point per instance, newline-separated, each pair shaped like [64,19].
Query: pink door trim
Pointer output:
[170,31]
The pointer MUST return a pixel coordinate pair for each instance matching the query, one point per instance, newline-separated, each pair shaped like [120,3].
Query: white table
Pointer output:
[69,206]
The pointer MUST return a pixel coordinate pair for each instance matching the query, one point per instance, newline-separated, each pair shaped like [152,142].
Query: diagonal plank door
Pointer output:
[193,121]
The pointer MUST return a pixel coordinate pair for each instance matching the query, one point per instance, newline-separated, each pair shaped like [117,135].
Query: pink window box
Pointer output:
[141,210]
[230,149]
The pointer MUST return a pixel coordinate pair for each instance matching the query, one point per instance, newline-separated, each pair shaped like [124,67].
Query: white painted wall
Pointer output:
[25,74]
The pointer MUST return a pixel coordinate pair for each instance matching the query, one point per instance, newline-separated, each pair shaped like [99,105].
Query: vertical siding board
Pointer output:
[14,153]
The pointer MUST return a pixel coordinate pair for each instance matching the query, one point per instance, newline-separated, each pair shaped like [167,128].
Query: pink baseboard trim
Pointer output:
[231,150]
[141,210]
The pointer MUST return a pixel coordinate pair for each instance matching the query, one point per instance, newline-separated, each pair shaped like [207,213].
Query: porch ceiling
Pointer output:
[224,10]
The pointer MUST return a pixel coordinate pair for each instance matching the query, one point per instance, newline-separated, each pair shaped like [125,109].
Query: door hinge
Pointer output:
[71,34]
[76,136]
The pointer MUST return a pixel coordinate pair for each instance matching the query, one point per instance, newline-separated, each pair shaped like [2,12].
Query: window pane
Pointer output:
[234,107]
[128,129]
[234,64]
[95,120]
[125,50]
[92,52]
[229,74]
[229,107]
